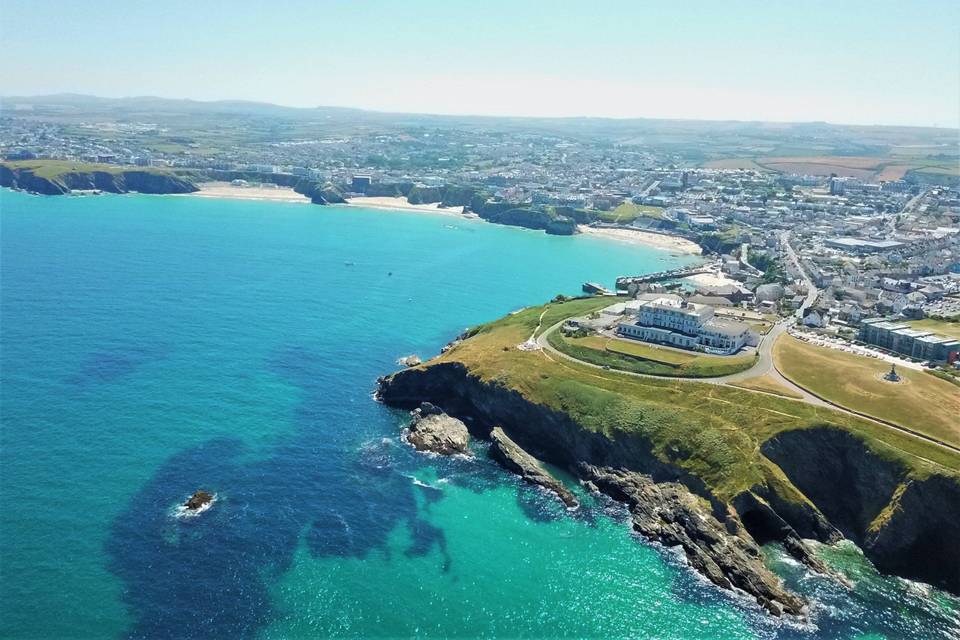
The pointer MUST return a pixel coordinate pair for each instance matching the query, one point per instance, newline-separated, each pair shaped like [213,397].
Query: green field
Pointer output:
[638,357]
[648,351]
[627,212]
[951,329]
[713,431]
[53,169]
[922,402]
[892,166]
[767,384]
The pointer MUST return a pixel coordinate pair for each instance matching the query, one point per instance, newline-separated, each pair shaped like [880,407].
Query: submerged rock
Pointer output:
[510,455]
[433,430]
[198,500]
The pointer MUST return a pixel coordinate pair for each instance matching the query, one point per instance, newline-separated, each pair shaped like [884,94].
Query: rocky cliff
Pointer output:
[320,193]
[832,486]
[119,181]
[529,219]
[906,526]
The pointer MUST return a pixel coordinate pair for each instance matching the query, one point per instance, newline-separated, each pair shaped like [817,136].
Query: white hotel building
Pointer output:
[675,322]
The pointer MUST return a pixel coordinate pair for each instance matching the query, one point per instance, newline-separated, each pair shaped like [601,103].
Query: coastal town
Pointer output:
[860,255]
[510,320]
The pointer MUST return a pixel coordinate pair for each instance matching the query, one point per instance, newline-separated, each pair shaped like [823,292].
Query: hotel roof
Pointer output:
[912,333]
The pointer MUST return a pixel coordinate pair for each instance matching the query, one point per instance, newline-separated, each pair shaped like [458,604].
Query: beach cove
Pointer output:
[270,192]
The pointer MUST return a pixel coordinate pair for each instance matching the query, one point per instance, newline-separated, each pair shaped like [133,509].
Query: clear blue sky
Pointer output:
[881,62]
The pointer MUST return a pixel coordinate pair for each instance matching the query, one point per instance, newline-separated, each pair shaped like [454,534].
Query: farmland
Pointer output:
[885,167]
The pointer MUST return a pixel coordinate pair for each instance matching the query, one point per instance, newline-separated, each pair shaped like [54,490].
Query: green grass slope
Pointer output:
[712,431]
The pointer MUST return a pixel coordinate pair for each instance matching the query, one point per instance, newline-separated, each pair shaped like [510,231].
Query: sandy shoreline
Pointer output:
[232,192]
[401,204]
[286,194]
[673,243]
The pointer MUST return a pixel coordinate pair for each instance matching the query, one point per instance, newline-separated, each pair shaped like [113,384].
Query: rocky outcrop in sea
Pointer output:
[514,458]
[432,430]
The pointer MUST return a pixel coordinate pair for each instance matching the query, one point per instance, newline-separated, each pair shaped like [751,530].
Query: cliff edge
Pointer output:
[715,470]
[59,178]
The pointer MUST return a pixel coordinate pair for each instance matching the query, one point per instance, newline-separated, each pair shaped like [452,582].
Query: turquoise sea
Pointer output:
[153,345]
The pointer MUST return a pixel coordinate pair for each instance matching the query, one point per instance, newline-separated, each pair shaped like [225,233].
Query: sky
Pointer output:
[845,61]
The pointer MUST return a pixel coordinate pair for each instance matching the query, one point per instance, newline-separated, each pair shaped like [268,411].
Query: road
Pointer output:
[764,365]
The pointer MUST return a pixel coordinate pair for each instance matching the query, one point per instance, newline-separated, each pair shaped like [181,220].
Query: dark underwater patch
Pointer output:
[208,576]
[109,365]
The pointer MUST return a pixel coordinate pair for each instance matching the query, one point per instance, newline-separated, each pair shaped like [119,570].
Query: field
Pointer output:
[887,167]
[823,165]
[733,163]
[627,212]
[52,169]
[711,430]
[638,357]
[921,402]
[767,384]
[951,329]
[647,351]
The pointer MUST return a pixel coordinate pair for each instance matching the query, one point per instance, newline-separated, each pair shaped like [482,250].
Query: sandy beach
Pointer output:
[673,243]
[402,204]
[286,194]
[227,190]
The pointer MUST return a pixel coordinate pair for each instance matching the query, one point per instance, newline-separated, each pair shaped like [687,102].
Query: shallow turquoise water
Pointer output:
[153,345]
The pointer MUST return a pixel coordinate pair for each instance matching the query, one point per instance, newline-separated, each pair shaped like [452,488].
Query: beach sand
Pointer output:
[673,243]
[402,204]
[286,194]
[227,190]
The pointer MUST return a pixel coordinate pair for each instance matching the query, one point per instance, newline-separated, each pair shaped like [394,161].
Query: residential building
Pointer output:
[916,343]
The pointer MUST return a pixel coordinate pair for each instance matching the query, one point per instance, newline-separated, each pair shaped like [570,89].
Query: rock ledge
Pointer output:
[510,455]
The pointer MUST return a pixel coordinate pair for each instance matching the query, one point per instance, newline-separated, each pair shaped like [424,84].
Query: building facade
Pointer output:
[687,325]
[902,338]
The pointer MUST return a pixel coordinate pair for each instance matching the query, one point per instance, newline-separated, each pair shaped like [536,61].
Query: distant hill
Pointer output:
[227,124]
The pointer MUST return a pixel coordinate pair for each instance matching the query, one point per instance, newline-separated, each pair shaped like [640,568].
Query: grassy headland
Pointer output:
[56,169]
[56,177]
[922,402]
[712,431]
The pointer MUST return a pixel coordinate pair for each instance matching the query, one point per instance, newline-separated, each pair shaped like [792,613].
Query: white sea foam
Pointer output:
[421,483]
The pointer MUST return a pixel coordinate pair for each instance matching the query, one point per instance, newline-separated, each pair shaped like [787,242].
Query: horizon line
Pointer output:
[467,115]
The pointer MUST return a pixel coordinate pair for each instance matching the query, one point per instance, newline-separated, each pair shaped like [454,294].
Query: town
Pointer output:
[857,246]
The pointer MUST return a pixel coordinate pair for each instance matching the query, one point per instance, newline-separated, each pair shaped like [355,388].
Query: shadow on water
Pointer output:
[207,576]
[109,365]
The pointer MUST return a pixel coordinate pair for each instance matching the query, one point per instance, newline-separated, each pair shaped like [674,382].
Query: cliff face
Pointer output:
[835,484]
[26,180]
[906,527]
[138,180]
[667,503]
[529,219]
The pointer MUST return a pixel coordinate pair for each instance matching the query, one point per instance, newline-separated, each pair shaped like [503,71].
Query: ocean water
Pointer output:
[151,345]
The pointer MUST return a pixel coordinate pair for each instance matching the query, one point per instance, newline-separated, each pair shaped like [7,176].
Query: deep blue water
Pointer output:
[150,346]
